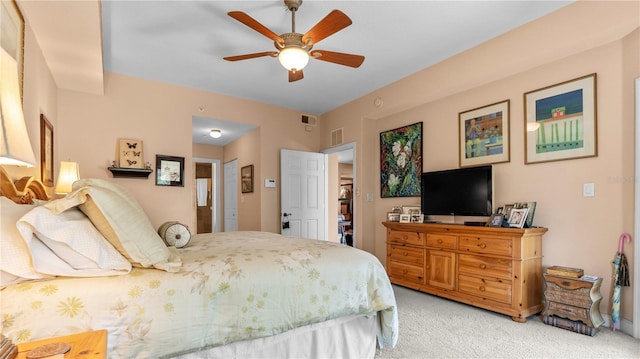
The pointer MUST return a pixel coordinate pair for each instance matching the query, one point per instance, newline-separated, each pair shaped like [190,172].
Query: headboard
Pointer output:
[23,190]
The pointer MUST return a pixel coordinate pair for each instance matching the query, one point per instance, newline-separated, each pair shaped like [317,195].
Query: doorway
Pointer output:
[207,192]
[346,180]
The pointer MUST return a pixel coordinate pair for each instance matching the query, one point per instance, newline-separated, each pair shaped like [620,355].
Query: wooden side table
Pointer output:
[574,299]
[87,345]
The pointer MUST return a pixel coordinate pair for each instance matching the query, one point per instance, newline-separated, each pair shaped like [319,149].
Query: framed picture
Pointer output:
[346,191]
[46,150]
[506,212]
[169,171]
[518,217]
[484,135]
[531,206]
[401,161]
[405,218]
[246,179]
[12,30]
[411,210]
[417,218]
[393,217]
[496,220]
[560,121]
[131,155]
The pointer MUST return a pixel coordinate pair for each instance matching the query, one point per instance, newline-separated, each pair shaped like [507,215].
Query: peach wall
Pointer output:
[601,37]
[89,127]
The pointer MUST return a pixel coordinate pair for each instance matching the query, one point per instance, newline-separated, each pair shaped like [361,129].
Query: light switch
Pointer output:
[588,189]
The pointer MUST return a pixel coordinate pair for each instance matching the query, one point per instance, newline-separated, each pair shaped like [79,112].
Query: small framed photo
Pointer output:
[518,217]
[246,179]
[417,218]
[411,210]
[169,171]
[393,217]
[495,220]
[506,211]
[405,218]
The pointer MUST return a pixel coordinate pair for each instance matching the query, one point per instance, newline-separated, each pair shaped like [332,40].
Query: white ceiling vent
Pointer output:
[336,137]
[308,120]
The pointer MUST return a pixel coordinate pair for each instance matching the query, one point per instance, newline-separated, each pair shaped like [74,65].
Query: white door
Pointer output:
[231,196]
[302,191]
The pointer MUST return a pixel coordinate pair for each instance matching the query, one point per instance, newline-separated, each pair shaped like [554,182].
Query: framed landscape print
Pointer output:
[484,135]
[169,171]
[401,161]
[560,121]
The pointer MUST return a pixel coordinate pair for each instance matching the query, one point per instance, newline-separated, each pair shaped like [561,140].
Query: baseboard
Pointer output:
[626,326]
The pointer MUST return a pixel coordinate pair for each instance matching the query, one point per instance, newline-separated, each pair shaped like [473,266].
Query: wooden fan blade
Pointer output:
[338,58]
[251,56]
[295,75]
[254,24]
[332,23]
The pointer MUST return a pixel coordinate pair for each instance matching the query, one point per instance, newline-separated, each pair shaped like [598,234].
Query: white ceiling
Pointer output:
[183,43]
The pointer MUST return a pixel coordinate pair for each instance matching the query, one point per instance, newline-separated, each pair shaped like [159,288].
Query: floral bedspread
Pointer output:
[232,286]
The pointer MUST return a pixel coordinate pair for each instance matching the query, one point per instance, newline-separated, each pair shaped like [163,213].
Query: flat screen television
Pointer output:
[458,192]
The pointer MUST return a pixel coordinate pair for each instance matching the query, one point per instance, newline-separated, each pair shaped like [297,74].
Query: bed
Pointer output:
[231,294]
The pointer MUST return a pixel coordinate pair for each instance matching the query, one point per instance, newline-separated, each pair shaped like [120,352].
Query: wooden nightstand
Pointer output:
[87,345]
[576,300]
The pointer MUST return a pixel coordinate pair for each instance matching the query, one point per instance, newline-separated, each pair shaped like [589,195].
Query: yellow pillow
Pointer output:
[121,220]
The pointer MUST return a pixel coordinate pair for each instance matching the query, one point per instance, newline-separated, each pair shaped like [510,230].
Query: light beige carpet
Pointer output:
[433,327]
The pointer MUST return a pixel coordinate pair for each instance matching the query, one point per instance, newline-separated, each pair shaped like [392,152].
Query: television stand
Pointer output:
[475,223]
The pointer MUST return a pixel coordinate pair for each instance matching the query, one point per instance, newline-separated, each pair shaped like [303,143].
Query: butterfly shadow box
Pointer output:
[131,154]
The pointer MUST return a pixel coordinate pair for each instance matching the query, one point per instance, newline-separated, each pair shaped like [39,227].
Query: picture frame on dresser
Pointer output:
[518,217]
[561,121]
[495,220]
[484,135]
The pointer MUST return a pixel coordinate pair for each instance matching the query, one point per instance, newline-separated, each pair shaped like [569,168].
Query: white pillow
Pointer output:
[121,220]
[15,258]
[80,250]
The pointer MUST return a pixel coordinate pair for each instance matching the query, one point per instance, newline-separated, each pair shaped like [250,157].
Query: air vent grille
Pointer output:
[336,137]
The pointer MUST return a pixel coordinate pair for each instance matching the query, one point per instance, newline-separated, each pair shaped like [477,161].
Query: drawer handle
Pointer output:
[405,237]
[483,266]
[405,254]
[482,288]
[405,271]
[565,283]
[483,245]
[439,241]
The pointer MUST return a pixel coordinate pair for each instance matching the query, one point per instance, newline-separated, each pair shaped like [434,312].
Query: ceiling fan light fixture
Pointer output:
[293,57]
[215,133]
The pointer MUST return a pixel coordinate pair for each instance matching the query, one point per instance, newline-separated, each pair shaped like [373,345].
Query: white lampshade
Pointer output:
[15,147]
[293,57]
[215,133]
[533,126]
[69,173]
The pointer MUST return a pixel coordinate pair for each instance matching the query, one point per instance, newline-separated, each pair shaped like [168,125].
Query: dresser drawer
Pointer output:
[407,255]
[486,245]
[567,311]
[442,241]
[402,271]
[497,290]
[575,297]
[484,266]
[414,238]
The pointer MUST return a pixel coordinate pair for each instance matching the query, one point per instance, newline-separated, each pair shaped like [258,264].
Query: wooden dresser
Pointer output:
[494,268]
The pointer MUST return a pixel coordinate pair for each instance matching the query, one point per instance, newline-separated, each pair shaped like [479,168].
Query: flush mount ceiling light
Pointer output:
[215,133]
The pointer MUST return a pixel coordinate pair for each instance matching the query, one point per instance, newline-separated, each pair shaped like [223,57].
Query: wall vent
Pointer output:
[336,137]
[308,120]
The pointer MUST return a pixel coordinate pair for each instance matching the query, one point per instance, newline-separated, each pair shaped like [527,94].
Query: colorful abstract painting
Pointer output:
[401,161]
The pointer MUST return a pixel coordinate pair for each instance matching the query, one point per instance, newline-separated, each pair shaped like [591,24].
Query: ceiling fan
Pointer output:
[294,49]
